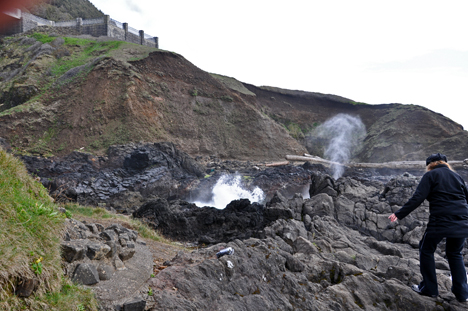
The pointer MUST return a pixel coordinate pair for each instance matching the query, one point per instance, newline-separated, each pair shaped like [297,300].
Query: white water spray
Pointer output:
[344,134]
[229,188]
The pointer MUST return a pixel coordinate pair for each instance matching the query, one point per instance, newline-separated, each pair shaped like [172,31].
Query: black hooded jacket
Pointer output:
[447,195]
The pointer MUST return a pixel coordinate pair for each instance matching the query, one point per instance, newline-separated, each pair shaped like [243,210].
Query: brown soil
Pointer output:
[160,98]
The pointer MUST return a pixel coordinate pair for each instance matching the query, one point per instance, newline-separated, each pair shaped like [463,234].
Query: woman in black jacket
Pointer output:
[447,195]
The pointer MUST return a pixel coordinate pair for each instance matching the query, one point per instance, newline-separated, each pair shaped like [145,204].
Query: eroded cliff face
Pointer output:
[394,131]
[111,100]
[60,94]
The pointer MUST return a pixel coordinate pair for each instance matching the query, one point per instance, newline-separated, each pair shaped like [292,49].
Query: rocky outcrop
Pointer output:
[112,261]
[133,174]
[207,225]
[361,205]
[330,267]
[123,178]
[334,251]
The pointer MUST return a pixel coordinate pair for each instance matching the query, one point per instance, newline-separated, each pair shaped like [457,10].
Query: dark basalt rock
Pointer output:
[73,250]
[97,251]
[115,272]
[83,245]
[146,169]
[105,272]
[134,305]
[187,222]
[131,175]
[324,264]
[85,274]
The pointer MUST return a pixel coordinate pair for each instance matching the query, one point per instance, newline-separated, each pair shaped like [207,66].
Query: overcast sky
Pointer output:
[377,52]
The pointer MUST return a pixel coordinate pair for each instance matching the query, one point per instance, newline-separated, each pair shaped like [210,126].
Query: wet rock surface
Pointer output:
[363,206]
[131,175]
[187,222]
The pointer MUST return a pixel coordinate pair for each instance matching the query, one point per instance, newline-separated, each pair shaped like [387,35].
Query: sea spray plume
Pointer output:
[343,135]
[229,188]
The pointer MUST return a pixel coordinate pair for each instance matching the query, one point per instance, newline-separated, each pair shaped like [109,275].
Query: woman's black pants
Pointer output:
[454,247]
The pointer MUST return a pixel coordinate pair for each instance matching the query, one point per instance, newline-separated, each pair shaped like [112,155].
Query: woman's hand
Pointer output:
[392,217]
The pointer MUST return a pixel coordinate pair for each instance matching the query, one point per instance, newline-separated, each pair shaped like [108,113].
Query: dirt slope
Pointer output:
[63,94]
[113,100]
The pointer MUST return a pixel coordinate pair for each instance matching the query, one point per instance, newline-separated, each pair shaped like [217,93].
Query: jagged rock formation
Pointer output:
[137,171]
[313,256]
[133,174]
[333,251]
[363,206]
[183,221]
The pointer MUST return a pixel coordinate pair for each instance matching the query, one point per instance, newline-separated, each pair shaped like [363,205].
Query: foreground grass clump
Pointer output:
[30,231]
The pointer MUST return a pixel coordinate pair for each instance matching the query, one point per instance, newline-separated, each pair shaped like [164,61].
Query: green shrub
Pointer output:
[295,130]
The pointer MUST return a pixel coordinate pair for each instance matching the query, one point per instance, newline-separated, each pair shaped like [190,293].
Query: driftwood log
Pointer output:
[277,163]
[396,164]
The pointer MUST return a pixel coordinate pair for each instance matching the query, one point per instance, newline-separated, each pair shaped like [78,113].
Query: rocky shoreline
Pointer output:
[332,249]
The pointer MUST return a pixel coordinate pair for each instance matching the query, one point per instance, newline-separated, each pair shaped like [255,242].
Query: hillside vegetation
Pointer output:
[64,10]
[30,231]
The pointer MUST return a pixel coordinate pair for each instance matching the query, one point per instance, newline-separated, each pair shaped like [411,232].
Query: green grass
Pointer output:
[41,145]
[43,38]
[91,49]
[88,49]
[294,130]
[30,230]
